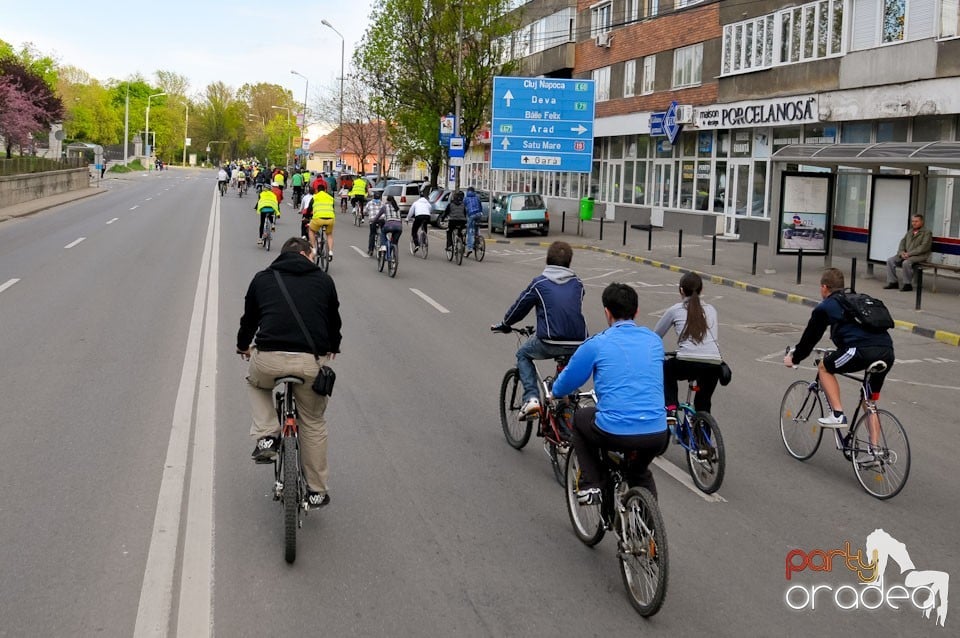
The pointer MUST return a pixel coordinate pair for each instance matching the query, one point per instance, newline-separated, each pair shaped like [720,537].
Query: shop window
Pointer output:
[855,132]
[932,129]
[821,134]
[687,192]
[758,194]
[643,146]
[688,144]
[616,147]
[628,182]
[705,144]
[702,187]
[742,143]
[785,136]
[892,130]
[851,199]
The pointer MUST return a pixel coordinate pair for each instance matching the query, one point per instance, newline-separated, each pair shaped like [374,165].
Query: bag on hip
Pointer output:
[323,384]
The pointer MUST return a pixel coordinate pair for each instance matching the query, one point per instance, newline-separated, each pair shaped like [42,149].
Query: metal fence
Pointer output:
[29,164]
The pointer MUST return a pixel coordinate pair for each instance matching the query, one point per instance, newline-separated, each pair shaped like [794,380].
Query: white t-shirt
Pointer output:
[420,207]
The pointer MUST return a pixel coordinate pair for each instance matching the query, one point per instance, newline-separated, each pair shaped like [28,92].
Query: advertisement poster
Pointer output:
[805,202]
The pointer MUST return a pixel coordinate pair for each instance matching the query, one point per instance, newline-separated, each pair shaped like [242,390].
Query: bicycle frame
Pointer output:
[866,402]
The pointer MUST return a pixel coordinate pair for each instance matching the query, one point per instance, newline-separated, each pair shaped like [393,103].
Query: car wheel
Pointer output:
[506,232]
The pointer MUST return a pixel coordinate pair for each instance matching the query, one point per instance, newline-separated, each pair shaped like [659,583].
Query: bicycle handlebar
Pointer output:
[526,331]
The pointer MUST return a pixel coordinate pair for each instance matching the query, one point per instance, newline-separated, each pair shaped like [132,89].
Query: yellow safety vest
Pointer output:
[323,206]
[359,187]
[268,200]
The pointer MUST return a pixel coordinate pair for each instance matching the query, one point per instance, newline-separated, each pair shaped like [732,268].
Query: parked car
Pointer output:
[377,186]
[405,193]
[519,211]
[442,199]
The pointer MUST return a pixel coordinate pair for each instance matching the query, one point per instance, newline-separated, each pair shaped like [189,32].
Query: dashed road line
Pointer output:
[135,207]
[362,253]
[684,479]
[74,242]
[8,283]
[149,198]
[112,220]
[429,300]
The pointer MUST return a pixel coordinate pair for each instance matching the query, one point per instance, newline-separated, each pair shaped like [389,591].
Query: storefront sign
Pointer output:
[779,112]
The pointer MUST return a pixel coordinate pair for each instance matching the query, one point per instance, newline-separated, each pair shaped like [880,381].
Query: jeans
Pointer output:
[395,232]
[374,229]
[471,230]
[532,349]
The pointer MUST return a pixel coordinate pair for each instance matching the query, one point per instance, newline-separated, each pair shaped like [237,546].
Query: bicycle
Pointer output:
[290,486]
[389,256]
[424,242]
[456,250]
[267,235]
[223,188]
[555,421]
[357,214]
[479,246]
[699,434]
[881,467]
[297,198]
[322,250]
[241,188]
[632,513]
[343,204]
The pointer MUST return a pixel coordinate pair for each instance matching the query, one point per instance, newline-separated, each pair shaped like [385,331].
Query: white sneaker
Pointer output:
[832,421]
[531,406]
[383,249]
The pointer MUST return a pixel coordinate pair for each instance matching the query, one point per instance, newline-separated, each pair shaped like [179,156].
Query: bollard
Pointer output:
[650,238]
[799,264]
[680,243]
[563,221]
[753,267]
[853,273]
[919,287]
[601,229]
[713,252]
[624,232]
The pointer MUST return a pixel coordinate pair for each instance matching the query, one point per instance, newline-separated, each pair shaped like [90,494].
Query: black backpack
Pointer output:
[866,311]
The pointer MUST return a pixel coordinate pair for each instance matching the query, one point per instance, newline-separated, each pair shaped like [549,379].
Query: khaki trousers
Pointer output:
[265,368]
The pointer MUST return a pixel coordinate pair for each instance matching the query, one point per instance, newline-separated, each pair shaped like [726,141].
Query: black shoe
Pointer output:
[906,288]
[891,287]
[316,500]
[266,449]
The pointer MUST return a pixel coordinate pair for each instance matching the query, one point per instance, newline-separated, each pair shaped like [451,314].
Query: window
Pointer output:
[631,11]
[649,71]
[949,18]
[600,19]
[629,78]
[601,78]
[894,17]
[687,64]
[650,8]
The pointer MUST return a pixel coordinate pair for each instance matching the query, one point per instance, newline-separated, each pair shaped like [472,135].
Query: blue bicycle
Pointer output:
[699,434]
[388,255]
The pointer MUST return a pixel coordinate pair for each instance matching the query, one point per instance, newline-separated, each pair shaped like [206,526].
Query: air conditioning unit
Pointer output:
[603,40]
[684,114]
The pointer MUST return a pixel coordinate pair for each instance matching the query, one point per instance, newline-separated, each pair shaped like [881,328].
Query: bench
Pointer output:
[934,266]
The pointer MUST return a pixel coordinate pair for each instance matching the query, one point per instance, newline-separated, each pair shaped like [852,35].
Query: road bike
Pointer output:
[555,420]
[322,250]
[881,460]
[457,248]
[699,434]
[390,255]
[424,243]
[632,513]
[268,229]
[289,486]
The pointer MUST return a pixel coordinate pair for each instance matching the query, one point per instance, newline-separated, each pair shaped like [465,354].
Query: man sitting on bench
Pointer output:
[915,247]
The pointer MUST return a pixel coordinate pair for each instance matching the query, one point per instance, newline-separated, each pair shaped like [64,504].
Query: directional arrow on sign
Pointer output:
[505,144]
[580,129]
[508,96]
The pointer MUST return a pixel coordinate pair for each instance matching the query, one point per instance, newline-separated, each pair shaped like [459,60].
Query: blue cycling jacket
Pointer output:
[557,295]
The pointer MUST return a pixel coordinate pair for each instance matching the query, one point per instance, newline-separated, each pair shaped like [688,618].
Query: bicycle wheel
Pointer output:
[323,254]
[644,560]
[424,244]
[587,520]
[393,260]
[707,459]
[516,431]
[381,259]
[291,498]
[479,247]
[458,250]
[882,469]
[799,411]
[450,252]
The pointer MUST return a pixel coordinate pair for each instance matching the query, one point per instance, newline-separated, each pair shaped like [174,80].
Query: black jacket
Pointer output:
[843,332]
[267,314]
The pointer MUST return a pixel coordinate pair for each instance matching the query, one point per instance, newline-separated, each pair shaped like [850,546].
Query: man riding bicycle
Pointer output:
[268,206]
[557,294]
[358,192]
[324,215]
[420,212]
[389,221]
[222,178]
[471,202]
[371,212]
[626,361]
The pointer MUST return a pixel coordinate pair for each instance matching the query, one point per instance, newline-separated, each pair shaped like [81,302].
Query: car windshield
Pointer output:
[526,202]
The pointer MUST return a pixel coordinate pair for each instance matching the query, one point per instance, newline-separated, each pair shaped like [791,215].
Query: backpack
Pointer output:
[867,312]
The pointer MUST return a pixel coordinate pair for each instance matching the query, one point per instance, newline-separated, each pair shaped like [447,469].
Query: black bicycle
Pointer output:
[290,486]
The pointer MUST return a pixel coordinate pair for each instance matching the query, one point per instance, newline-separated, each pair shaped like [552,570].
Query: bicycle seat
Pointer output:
[876,366]
[562,360]
[288,379]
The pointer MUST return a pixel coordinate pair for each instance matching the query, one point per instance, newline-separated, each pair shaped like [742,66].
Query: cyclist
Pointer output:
[420,214]
[344,196]
[474,210]
[241,180]
[323,215]
[856,349]
[371,212]
[626,361]
[282,349]
[222,178]
[698,355]
[390,221]
[456,216]
[268,206]
[306,212]
[297,182]
[557,294]
[358,192]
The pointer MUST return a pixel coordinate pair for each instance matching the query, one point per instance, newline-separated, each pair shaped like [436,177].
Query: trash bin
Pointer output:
[586,208]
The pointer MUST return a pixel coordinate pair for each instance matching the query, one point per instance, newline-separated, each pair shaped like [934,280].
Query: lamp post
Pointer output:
[342,46]
[186,132]
[147,136]
[210,143]
[303,126]
[287,109]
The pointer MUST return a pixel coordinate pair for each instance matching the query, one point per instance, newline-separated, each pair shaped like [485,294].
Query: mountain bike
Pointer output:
[357,214]
[289,486]
[389,256]
[267,235]
[322,250]
[555,421]
[881,459]
[479,246]
[699,434]
[457,248]
[422,237]
[632,513]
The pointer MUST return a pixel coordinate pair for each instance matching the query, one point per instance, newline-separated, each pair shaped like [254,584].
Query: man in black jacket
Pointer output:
[282,349]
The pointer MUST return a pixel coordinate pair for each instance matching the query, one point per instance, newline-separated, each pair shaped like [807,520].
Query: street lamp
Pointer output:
[186,132]
[147,137]
[212,142]
[342,45]
[303,127]
[287,109]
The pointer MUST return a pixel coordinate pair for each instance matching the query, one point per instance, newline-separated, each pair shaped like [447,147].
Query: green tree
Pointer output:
[412,47]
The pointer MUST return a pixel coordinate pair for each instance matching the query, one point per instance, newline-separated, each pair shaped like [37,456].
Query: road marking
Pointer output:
[429,300]
[112,220]
[134,207]
[684,479]
[362,253]
[606,274]
[156,591]
[74,242]
[7,284]
[149,198]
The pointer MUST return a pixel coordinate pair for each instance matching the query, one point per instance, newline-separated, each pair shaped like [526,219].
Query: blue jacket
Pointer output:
[472,203]
[626,362]
[843,333]
[558,296]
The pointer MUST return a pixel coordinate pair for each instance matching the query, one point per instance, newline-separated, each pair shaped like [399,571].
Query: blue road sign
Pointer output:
[456,147]
[664,123]
[542,124]
[656,124]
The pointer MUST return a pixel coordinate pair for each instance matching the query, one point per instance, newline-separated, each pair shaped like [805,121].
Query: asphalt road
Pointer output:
[130,506]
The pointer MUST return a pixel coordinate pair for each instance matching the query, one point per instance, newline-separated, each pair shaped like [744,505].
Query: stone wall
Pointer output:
[15,189]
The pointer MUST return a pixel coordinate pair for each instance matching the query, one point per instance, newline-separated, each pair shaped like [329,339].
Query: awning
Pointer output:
[912,156]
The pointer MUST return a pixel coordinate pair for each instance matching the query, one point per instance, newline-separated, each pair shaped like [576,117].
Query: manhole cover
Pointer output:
[773,328]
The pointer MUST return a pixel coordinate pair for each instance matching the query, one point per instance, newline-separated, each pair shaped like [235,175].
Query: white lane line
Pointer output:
[149,198]
[135,207]
[112,220]
[7,284]
[74,242]
[429,300]
[362,253]
[156,591]
[606,274]
[195,615]
[684,479]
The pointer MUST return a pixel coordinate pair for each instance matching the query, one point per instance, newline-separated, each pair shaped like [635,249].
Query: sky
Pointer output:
[204,40]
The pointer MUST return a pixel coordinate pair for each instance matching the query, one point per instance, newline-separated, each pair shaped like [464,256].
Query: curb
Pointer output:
[943,336]
[42,206]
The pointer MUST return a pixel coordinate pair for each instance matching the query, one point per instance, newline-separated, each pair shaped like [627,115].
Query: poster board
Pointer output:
[889,215]
[806,207]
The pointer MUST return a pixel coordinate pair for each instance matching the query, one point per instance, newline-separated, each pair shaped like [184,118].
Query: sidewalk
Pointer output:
[43,203]
[938,319]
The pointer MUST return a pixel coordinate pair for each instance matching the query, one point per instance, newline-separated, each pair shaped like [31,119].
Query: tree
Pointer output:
[29,103]
[412,48]
[364,131]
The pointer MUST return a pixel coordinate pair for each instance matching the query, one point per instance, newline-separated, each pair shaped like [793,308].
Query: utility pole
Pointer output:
[126,125]
[186,128]
[456,121]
